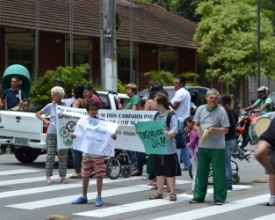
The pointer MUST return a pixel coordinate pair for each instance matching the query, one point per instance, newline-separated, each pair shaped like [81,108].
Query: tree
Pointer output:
[227,37]
[40,91]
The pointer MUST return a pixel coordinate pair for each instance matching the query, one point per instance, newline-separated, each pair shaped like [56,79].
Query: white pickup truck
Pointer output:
[27,134]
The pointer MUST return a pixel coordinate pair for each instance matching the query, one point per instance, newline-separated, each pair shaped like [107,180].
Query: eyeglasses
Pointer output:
[213,98]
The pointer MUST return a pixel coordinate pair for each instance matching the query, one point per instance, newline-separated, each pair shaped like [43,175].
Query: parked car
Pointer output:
[27,134]
[197,93]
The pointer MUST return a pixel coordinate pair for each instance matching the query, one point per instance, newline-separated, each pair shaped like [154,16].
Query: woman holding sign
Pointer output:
[57,93]
[166,165]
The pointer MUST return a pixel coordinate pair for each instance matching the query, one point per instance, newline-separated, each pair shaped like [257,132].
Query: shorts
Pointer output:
[166,165]
[91,163]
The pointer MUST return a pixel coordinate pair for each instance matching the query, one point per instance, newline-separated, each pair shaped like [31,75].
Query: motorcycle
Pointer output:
[243,137]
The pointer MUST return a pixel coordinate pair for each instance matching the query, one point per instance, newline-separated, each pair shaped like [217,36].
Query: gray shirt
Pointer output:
[215,118]
[50,112]
[170,141]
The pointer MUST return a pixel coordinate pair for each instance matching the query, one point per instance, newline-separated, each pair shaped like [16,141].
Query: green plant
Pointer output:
[190,78]
[121,88]
[162,77]
[40,93]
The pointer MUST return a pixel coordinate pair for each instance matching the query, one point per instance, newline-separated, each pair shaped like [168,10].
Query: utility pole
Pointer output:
[37,40]
[108,44]
[258,43]
[71,32]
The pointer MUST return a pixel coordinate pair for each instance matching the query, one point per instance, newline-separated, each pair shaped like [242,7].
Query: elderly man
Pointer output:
[213,118]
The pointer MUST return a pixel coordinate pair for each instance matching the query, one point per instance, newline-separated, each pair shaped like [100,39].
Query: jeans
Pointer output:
[141,158]
[77,157]
[229,147]
[183,153]
[133,155]
[3,148]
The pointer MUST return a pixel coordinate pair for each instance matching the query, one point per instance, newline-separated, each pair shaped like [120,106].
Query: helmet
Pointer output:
[265,90]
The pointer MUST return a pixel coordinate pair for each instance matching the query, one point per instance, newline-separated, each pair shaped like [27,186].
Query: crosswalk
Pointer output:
[128,193]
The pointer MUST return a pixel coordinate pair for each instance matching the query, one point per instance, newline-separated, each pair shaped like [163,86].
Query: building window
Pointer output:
[168,66]
[79,58]
[21,56]
[123,69]
[201,71]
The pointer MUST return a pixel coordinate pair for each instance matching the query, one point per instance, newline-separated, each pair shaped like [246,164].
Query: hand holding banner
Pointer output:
[152,136]
[94,136]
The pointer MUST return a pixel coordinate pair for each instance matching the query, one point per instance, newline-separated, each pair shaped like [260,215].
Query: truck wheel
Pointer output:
[26,155]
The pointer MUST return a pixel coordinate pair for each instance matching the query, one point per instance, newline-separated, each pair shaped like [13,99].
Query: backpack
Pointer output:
[179,137]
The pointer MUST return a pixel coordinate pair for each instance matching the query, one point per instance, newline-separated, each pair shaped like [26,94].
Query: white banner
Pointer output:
[127,139]
[93,136]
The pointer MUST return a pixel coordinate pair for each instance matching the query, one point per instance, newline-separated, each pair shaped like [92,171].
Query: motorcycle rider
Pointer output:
[264,103]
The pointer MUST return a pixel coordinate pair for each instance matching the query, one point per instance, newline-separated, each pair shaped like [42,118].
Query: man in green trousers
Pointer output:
[213,118]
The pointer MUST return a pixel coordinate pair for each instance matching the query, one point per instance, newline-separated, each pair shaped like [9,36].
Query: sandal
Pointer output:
[166,189]
[153,183]
[154,188]
[156,196]
[173,197]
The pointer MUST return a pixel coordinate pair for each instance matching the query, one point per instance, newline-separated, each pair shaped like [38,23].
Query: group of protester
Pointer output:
[218,118]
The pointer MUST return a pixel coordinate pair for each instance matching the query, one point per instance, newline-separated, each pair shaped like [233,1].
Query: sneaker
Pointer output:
[80,200]
[271,202]
[193,201]
[219,203]
[98,201]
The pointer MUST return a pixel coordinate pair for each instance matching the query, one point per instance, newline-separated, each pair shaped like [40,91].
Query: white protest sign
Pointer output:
[127,139]
[93,136]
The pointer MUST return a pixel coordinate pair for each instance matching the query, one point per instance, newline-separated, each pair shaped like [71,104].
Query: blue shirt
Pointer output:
[12,97]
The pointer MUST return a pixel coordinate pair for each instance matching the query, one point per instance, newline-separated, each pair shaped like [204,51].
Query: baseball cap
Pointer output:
[57,80]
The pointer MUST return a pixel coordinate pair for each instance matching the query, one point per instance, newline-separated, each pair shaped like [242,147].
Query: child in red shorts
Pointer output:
[90,163]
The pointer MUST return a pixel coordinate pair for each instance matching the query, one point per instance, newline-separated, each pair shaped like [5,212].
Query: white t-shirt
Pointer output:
[183,97]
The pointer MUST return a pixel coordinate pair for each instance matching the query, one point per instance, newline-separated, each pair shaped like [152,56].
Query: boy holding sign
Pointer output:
[165,159]
[92,162]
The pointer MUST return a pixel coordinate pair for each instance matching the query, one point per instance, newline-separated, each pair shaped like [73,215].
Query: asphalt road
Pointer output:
[25,196]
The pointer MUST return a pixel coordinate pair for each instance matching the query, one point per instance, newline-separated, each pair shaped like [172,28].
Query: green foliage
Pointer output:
[121,88]
[190,78]
[227,37]
[162,77]
[40,94]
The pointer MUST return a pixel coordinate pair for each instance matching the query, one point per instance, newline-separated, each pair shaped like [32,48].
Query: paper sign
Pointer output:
[127,138]
[93,136]
[152,136]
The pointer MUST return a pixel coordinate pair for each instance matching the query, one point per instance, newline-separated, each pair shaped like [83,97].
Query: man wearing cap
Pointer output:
[264,103]
[57,82]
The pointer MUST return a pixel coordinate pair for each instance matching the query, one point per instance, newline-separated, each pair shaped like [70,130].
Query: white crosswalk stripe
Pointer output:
[93,195]
[15,172]
[116,188]
[100,213]
[214,210]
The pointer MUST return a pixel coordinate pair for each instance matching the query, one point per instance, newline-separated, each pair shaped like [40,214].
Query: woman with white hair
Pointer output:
[57,94]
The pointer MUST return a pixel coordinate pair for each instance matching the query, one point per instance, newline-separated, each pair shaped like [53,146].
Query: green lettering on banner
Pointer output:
[151,134]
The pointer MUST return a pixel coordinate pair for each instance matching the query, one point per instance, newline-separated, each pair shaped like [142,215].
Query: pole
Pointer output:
[258,43]
[71,33]
[37,40]
[109,46]
[131,43]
